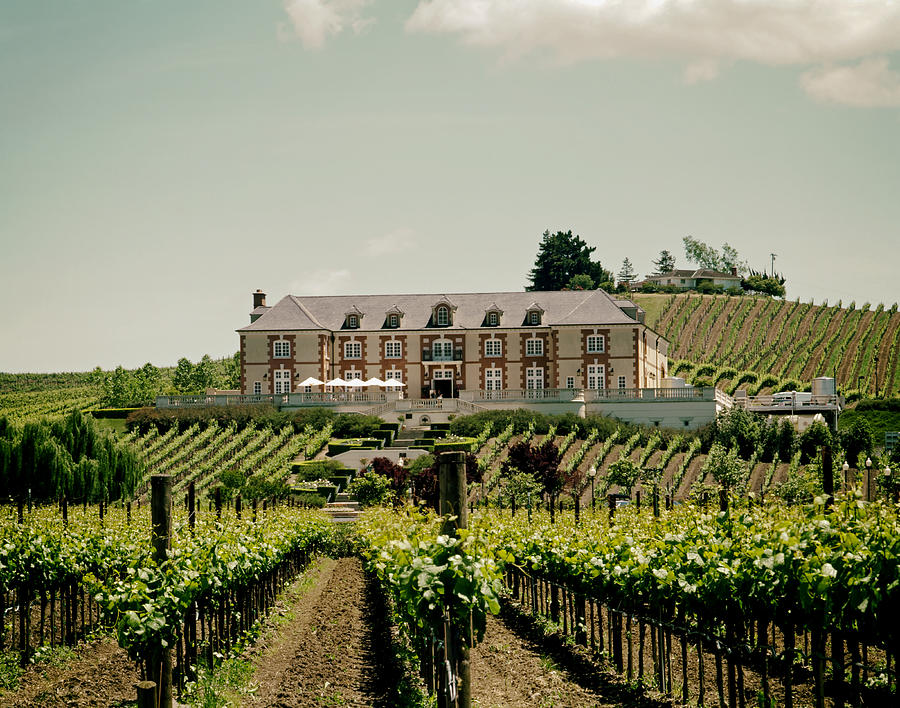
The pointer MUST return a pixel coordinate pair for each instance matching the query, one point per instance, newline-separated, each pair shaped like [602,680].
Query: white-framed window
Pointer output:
[282,381]
[353,350]
[444,374]
[442,316]
[622,382]
[394,321]
[396,374]
[393,350]
[493,347]
[493,379]
[570,382]
[534,377]
[534,347]
[442,350]
[352,374]
[281,349]
[352,321]
[596,344]
[596,376]
[534,317]
[257,388]
[493,319]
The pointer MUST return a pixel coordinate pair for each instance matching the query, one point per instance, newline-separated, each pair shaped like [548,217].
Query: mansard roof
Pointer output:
[561,307]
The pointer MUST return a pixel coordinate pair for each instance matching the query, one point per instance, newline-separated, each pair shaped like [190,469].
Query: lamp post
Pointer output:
[592,474]
[869,478]
[887,483]
[846,468]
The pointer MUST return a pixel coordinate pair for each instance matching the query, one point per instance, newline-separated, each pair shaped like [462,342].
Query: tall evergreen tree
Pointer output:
[626,272]
[665,263]
[560,257]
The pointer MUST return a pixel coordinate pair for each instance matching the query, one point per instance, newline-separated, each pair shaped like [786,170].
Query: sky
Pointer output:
[161,160]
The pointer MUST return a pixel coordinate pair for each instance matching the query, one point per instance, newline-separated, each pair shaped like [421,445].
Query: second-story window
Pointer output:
[596,344]
[393,350]
[281,349]
[534,347]
[442,350]
[353,350]
[443,316]
[493,347]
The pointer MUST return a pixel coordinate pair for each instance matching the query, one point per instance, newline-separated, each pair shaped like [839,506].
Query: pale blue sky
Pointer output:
[161,160]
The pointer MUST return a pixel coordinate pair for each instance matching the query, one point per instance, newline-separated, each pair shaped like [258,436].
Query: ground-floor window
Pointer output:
[534,377]
[622,382]
[257,387]
[282,381]
[493,379]
[396,374]
[570,382]
[596,376]
[352,374]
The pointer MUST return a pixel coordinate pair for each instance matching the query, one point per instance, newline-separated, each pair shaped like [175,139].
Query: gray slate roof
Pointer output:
[576,307]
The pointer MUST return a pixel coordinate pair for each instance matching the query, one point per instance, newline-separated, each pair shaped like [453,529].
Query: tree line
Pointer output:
[67,457]
[564,261]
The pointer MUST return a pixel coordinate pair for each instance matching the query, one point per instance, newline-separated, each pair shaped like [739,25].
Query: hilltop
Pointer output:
[765,344]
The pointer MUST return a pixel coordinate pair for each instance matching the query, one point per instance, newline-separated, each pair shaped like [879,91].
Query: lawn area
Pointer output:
[653,304]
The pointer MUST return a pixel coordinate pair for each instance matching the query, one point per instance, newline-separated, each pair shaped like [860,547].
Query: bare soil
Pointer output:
[99,673]
[326,653]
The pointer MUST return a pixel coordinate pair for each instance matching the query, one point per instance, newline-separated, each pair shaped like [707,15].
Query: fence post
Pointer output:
[146,694]
[827,476]
[192,502]
[452,503]
[161,514]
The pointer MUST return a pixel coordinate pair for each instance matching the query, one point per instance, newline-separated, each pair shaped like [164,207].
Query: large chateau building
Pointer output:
[452,343]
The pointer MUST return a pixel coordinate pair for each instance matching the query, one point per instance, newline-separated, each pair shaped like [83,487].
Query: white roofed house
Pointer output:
[690,279]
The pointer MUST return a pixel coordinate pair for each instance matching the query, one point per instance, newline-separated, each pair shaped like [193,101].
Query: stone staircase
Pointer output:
[343,509]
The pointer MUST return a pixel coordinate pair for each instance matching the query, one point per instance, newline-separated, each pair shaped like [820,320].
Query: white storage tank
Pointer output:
[823,386]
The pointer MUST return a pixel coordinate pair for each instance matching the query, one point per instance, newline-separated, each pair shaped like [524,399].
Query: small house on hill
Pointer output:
[691,279]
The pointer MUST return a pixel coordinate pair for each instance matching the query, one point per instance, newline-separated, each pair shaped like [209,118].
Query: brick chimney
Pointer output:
[259,299]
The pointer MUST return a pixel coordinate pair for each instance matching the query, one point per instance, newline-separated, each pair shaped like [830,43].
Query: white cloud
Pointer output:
[316,21]
[322,281]
[702,33]
[396,241]
[870,83]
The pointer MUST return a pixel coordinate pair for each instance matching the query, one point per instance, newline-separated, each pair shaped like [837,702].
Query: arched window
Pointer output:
[442,316]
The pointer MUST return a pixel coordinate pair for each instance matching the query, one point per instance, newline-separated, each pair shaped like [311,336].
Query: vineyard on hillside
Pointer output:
[764,344]
[23,407]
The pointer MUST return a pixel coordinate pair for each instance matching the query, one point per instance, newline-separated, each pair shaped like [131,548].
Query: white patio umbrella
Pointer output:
[393,383]
[374,381]
[310,381]
[336,382]
[356,382]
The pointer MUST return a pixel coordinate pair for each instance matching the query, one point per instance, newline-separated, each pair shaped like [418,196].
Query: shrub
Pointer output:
[371,489]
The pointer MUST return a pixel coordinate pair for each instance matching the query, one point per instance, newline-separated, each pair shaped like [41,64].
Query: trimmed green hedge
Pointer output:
[336,447]
[390,426]
[340,482]
[328,491]
[464,445]
[309,499]
[310,470]
[440,426]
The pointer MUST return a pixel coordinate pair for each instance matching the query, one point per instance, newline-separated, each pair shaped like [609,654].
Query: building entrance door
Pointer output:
[442,383]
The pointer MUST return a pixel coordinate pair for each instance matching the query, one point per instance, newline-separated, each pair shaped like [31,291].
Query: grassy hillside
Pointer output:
[764,344]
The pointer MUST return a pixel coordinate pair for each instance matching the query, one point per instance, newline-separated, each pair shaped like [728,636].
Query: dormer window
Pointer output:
[392,317]
[442,312]
[352,322]
[353,318]
[534,315]
[492,315]
[393,321]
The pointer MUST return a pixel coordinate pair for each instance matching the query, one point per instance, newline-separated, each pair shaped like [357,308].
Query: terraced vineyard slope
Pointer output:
[763,344]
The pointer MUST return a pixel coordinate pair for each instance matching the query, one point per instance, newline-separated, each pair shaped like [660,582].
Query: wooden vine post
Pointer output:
[161,514]
[452,471]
